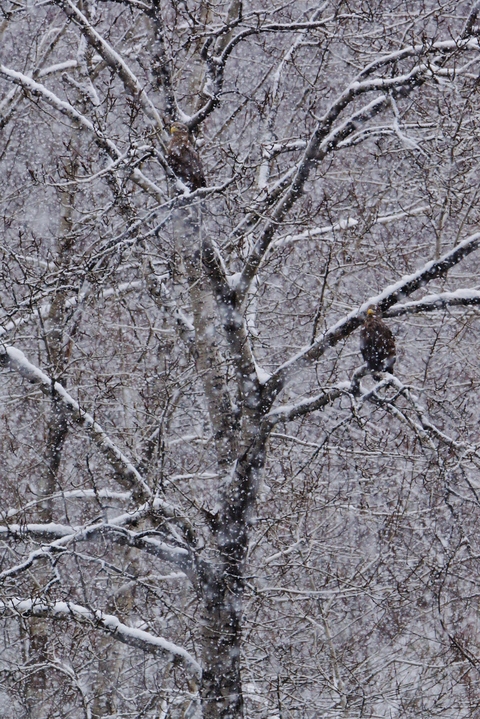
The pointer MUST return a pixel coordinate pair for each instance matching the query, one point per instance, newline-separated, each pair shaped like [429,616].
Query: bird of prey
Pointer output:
[377,343]
[183,158]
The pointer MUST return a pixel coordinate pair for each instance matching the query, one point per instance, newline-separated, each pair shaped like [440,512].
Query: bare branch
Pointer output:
[216,64]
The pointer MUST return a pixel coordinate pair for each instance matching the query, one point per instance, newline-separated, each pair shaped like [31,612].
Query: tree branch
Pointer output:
[390,296]
[125,472]
[106,622]
[112,58]
[430,303]
[81,122]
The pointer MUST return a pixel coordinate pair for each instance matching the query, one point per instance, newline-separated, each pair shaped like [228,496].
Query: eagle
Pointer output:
[377,342]
[183,158]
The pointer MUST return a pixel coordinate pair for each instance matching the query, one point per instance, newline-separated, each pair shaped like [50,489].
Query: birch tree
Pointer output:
[211,508]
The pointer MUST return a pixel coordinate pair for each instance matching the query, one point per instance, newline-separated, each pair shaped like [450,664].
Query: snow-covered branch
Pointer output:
[287,413]
[430,303]
[390,296]
[125,471]
[112,58]
[472,18]
[36,89]
[345,224]
[66,495]
[106,622]
[61,536]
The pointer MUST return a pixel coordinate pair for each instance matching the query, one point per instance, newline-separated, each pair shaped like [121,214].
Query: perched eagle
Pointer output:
[183,158]
[377,343]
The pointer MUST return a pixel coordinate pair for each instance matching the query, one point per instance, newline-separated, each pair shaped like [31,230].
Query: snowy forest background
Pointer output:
[209,506]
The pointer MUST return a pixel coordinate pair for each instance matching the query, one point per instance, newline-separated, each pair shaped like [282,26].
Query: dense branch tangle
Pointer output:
[188,438]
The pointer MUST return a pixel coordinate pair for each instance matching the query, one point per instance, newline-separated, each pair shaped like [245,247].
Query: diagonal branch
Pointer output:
[390,296]
[112,58]
[325,139]
[322,142]
[125,471]
[37,89]
[216,63]
[106,622]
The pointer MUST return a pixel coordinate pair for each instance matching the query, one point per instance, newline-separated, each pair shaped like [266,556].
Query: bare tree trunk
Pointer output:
[111,656]
[209,360]
[223,589]
[57,428]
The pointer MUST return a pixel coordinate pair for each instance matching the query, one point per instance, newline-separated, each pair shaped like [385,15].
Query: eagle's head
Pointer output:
[373,311]
[179,128]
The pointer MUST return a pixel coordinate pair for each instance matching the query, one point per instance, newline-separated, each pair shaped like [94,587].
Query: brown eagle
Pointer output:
[377,343]
[183,158]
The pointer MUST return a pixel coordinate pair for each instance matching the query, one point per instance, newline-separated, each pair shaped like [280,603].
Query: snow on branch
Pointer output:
[36,89]
[112,58]
[326,137]
[390,296]
[106,622]
[68,494]
[442,46]
[345,224]
[39,90]
[62,536]
[288,412]
[125,472]
[430,303]
[469,28]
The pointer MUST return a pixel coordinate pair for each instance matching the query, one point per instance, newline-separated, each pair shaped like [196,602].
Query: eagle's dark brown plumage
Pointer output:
[377,343]
[183,158]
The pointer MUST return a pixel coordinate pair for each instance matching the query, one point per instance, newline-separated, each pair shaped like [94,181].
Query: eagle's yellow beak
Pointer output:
[370,311]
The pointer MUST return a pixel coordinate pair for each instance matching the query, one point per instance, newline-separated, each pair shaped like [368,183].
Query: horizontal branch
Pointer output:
[62,536]
[67,494]
[442,46]
[430,303]
[108,623]
[347,223]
